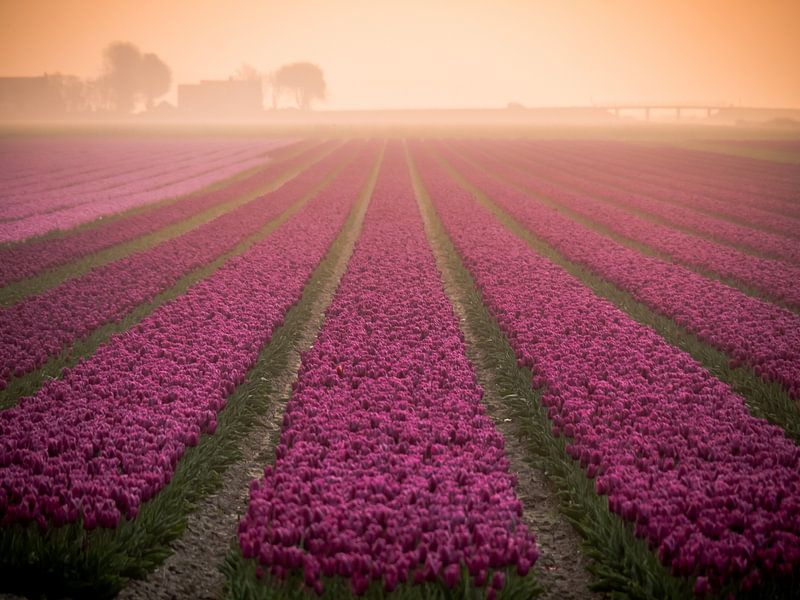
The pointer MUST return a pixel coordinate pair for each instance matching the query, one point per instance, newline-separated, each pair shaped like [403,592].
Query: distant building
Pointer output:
[31,96]
[220,98]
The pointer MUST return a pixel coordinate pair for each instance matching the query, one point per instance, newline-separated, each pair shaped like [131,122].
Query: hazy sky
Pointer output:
[439,53]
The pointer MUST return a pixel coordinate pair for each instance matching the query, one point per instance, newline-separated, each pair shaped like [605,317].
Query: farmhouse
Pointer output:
[30,96]
[220,97]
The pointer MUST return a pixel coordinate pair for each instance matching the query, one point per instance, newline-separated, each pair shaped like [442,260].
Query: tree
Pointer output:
[121,73]
[155,77]
[129,76]
[74,93]
[305,79]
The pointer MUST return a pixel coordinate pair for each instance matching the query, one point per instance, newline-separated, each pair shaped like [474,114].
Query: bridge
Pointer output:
[616,108]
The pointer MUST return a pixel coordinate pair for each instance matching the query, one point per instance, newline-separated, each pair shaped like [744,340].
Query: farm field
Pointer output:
[422,367]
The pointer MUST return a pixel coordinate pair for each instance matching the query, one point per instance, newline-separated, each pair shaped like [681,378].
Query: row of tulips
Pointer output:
[126,197]
[744,180]
[387,469]
[46,163]
[609,180]
[755,240]
[92,446]
[774,278]
[40,327]
[789,146]
[18,261]
[749,330]
[781,179]
[715,491]
[754,187]
[92,186]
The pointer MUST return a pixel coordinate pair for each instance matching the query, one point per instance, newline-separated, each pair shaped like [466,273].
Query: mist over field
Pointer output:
[399,300]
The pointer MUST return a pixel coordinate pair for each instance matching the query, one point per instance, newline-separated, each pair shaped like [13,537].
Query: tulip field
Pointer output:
[393,341]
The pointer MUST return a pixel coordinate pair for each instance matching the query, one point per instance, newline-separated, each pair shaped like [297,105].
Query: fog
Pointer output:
[435,54]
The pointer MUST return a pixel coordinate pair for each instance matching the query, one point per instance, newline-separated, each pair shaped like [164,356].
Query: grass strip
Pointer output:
[622,564]
[764,399]
[69,561]
[19,290]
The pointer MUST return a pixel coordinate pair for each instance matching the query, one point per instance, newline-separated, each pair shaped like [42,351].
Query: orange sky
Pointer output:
[439,53]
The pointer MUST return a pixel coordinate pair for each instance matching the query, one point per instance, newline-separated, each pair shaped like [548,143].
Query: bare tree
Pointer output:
[155,77]
[247,73]
[305,79]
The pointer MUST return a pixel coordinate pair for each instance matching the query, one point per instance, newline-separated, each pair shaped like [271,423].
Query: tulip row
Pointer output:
[41,326]
[93,186]
[611,181]
[751,331]
[715,491]
[387,469]
[25,260]
[44,164]
[762,242]
[790,146]
[751,182]
[739,169]
[94,445]
[106,203]
[48,193]
[775,279]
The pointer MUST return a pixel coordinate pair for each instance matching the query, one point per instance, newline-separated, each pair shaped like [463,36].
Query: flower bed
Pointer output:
[106,437]
[715,491]
[387,469]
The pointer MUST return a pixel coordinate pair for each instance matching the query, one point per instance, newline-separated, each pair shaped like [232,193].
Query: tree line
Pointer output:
[131,78]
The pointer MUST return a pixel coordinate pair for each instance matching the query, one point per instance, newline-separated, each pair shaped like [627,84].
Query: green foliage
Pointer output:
[244,584]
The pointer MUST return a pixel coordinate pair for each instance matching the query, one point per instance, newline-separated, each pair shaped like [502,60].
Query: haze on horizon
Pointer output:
[438,53]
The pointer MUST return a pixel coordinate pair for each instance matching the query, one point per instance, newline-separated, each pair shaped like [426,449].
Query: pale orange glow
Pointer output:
[439,53]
